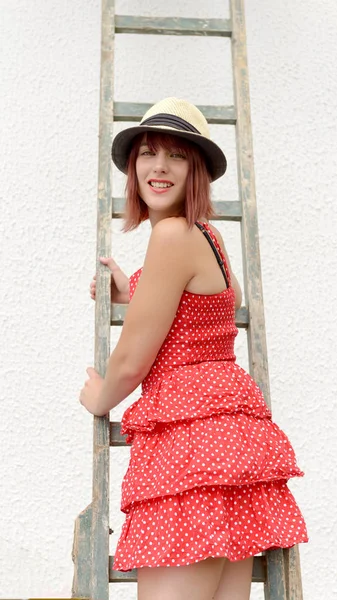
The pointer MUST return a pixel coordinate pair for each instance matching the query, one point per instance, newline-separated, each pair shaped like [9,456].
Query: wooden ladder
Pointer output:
[279,570]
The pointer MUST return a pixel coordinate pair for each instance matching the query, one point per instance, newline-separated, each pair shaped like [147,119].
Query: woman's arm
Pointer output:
[168,267]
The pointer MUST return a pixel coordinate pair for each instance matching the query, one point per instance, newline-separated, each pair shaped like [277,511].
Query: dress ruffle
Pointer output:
[205,389]
[232,522]
[241,444]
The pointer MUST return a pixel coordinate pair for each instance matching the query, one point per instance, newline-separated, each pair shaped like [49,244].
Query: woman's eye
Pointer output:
[178,155]
[146,153]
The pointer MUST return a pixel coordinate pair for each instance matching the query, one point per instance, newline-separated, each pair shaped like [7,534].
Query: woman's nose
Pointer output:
[161,164]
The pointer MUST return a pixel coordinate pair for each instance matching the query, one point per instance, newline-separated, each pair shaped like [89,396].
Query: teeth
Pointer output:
[158,184]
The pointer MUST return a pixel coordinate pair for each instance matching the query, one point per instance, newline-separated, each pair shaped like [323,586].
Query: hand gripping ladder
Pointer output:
[279,570]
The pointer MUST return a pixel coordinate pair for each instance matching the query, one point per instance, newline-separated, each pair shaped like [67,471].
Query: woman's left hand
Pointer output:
[91,391]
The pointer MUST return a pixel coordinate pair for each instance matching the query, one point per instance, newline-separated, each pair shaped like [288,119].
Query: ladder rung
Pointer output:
[226,210]
[118,314]
[173,26]
[215,114]
[259,572]
[116,439]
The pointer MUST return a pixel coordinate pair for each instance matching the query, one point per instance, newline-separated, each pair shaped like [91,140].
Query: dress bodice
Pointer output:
[203,328]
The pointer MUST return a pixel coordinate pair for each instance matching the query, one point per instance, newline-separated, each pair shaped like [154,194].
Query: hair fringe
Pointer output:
[198,203]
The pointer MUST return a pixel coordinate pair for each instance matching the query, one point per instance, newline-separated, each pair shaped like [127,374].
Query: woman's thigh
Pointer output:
[198,581]
[235,581]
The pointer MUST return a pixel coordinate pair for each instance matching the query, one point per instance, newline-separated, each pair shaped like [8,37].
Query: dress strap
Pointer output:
[208,233]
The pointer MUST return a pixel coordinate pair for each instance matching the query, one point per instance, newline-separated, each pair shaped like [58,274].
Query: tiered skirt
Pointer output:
[208,472]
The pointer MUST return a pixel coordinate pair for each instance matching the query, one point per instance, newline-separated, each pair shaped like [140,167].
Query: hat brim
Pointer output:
[122,144]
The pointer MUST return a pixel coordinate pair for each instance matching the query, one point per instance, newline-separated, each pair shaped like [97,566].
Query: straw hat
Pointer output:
[179,118]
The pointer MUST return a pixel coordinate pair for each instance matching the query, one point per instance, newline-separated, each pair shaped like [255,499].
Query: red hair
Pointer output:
[197,204]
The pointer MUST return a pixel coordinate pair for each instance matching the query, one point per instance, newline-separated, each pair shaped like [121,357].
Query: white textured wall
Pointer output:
[50,85]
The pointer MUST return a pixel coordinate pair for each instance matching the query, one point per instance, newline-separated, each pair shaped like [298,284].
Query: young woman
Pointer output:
[206,485]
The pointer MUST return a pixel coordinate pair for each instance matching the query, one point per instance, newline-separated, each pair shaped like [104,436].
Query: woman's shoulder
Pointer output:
[176,230]
[172,230]
[171,224]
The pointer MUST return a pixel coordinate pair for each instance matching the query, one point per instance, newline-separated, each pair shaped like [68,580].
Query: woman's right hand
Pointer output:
[120,293]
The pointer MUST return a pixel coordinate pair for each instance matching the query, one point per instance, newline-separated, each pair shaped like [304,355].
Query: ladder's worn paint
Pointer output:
[278,569]
[134,111]
[249,227]
[173,26]
[91,538]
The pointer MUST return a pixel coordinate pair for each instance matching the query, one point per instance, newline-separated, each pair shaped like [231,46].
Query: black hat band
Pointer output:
[170,121]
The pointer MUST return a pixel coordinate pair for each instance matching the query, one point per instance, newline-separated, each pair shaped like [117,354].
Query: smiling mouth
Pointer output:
[160,184]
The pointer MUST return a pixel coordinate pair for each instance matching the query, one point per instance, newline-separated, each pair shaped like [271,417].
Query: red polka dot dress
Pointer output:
[208,467]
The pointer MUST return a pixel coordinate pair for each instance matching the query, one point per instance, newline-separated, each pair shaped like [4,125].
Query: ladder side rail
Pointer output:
[293,573]
[91,542]
[275,586]
[257,345]
[280,570]
[101,463]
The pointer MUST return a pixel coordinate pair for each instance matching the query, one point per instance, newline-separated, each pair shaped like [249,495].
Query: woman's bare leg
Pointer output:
[235,581]
[198,581]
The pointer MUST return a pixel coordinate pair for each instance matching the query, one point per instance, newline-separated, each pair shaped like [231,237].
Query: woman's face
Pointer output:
[161,175]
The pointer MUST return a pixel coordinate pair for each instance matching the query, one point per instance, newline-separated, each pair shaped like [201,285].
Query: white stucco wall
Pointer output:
[49,117]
